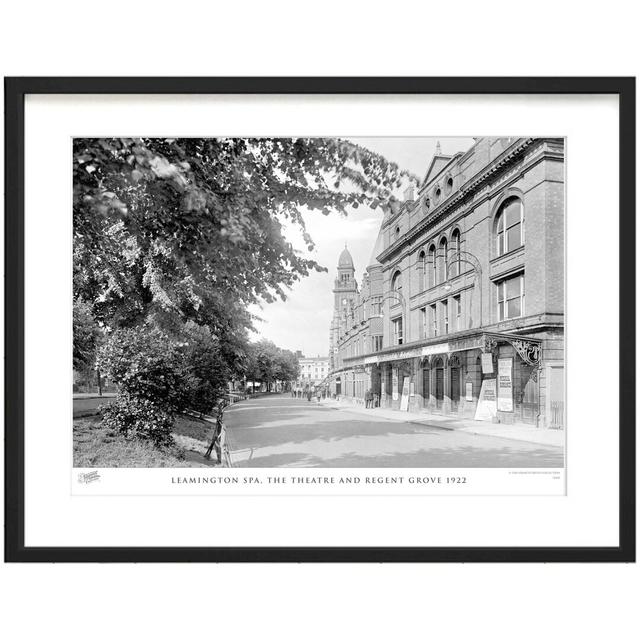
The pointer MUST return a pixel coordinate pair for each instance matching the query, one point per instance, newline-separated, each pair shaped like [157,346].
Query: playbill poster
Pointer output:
[291,315]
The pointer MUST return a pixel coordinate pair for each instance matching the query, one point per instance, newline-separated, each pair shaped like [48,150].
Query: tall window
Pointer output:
[510,226]
[396,285]
[397,233]
[455,254]
[445,316]
[421,267]
[424,326]
[432,266]
[442,261]
[397,331]
[457,310]
[376,343]
[511,297]
[434,320]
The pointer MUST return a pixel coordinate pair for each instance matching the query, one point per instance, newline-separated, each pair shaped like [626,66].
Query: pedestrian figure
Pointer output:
[318,393]
[309,395]
[217,439]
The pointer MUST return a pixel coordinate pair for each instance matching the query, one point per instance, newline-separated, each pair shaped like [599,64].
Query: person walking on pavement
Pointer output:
[318,394]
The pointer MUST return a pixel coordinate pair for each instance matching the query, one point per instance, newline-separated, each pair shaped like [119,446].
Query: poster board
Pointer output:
[487,363]
[487,408]
[394,382]
[404,401]
[469,391]
[505,384]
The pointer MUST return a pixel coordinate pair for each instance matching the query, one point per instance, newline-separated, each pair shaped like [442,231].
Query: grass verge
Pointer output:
[94,445]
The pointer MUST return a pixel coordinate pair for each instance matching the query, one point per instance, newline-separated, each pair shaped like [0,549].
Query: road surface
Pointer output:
[280,431]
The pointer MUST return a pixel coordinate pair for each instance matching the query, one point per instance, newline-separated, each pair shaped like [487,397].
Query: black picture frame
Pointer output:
[15,91]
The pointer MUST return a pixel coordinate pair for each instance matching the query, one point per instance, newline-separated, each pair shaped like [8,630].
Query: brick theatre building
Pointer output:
[467,304]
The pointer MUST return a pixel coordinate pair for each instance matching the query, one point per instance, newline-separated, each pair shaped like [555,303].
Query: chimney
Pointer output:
[408,194]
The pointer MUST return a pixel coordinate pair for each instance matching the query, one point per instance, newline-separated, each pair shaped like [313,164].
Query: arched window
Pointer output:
[397,233]
[442,260]
[455,269]
[421,268]
[509,226]
[396,282]
[448,185]
[431,267]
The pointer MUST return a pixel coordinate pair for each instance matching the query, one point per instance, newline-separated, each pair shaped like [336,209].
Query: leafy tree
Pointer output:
[269,363]
[149,369]
[209,364]
[287,366]
[86,336]
[194,227]
[180,236]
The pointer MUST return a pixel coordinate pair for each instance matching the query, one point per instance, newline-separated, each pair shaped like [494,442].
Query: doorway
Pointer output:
[455,383]
[426,390]
[439,383]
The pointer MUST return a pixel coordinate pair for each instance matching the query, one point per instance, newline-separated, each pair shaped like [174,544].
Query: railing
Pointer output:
[235,396]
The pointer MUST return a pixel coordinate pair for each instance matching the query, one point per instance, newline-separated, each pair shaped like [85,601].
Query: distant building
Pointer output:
[471,310]
[356,328]
[313,371]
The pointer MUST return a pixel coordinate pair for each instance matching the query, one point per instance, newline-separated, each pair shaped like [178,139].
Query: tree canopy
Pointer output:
[188,232]
[268,363]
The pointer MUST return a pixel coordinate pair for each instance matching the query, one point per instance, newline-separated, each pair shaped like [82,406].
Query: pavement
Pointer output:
[525,432]
[280,431]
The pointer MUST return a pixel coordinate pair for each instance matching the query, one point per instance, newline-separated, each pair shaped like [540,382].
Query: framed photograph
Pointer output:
[320,319]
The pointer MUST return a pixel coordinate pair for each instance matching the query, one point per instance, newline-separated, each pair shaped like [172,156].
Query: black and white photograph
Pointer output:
[305,302]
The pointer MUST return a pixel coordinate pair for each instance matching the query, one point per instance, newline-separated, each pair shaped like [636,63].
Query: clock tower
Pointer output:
[345,286]
[345,293]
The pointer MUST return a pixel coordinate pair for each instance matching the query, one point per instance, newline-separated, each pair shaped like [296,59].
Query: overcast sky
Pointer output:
[302,321]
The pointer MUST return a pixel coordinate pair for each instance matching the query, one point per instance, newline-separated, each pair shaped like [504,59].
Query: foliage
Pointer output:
[207,366]
[141,418]
[267,363]
[193,228]
[148,368]
[86,336]
[145,363]
[175,238]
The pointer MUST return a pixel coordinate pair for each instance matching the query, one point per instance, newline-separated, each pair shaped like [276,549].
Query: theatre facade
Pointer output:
[469,298]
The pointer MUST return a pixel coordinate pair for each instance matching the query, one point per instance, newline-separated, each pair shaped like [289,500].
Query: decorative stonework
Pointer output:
[528,351]
[489,344]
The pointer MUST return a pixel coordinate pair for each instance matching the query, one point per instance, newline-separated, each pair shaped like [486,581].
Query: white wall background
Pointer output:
[328,38]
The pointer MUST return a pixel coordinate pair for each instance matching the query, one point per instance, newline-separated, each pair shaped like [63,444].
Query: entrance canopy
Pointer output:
[528,348]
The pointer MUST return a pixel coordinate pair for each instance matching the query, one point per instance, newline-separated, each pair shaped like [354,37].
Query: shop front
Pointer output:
[486,376]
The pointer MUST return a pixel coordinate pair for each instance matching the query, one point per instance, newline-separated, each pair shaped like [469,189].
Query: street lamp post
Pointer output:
[472,261]
[403,304]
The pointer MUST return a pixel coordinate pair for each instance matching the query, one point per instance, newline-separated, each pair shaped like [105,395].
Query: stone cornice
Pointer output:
[471,186]
[523,327]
